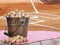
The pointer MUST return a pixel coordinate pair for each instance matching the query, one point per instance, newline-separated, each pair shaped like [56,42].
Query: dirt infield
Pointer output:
[48,17]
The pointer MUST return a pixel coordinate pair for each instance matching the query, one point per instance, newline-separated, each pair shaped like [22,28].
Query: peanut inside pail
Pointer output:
[17,26]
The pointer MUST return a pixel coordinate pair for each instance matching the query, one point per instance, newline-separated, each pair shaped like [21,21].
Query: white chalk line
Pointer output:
[2,17]
[50,17]
[46,26]
[37,21]
[34,6]
[44,17]
[48,14]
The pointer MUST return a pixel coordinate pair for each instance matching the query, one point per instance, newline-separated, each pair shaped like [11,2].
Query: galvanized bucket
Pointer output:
[17,26]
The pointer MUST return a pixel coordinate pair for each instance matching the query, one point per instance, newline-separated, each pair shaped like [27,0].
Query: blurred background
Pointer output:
[45,14]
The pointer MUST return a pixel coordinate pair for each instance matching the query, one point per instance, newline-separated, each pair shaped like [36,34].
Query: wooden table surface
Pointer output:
[48,19]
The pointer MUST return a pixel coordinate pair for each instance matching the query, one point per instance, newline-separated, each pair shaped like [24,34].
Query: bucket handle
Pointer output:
[5,32]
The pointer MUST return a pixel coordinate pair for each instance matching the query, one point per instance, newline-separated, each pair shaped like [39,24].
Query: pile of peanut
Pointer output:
[16,39]
[17,14]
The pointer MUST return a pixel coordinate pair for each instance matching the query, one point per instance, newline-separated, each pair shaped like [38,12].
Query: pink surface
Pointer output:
[34,36]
